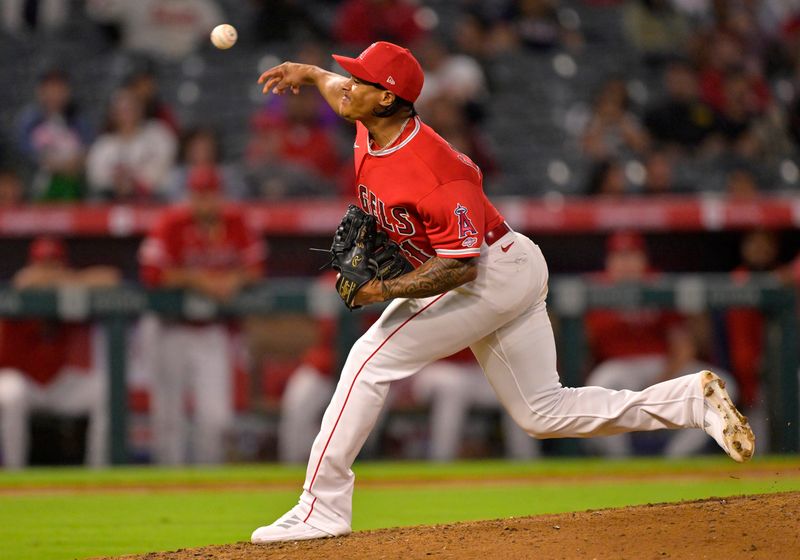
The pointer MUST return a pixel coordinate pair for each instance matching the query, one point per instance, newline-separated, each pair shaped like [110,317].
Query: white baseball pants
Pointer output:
[304,399]
[637,373]
[502,317]
[72,392]
[191,360]
[452,389]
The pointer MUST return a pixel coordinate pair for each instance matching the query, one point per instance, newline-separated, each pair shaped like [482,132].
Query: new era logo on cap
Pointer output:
[404,76]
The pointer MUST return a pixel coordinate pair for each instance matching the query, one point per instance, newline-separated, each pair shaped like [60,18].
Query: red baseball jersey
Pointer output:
[614,333]
[40,349]
[178,241]
[427,196]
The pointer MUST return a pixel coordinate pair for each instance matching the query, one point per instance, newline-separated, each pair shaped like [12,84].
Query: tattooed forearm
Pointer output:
[436,276]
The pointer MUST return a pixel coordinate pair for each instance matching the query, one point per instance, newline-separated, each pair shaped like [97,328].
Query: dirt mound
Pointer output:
[763,526]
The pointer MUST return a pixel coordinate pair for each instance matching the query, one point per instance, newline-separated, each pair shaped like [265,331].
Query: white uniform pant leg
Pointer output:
[302,405]
[99,430]
[167,396]
[520,361]
[449,391]
[409,335]
[14,415]
[211,381]
[634,373]
[74,392]
[516,442]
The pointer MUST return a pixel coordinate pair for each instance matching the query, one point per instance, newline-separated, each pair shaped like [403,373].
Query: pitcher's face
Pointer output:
[360,99]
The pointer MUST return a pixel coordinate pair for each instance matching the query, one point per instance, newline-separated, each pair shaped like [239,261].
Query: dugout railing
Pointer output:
[570,298]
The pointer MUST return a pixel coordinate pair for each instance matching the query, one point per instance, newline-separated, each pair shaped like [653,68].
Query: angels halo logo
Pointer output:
[469,242]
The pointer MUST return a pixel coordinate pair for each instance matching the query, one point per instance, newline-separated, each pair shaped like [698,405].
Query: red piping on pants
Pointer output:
[350,390]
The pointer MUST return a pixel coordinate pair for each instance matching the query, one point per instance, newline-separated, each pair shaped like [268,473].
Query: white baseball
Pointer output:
[224,36]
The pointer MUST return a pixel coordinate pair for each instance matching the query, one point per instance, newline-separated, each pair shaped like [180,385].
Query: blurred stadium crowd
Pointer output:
[127,102]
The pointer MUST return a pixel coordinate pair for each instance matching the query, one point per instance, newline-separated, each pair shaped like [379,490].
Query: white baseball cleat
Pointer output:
[289,527]
[723,422]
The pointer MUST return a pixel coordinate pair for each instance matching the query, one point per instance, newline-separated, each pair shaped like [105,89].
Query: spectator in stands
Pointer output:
[131,161]
[451,388]
[607,179]
[12,191]
[681,358]
[361,22]
[204,248]
[169,30]
[770,137]
[740,108]
[54,137]
[698,11]
[759,252]
[659,166]
[613,130]
[51,366]
[143,83]
[535,24]
[450,119]
[43,15]
[742,184]
[726,57]
[200,147]
[473,36]
[283,20]
[682,121]
[655,29]
[454,75]
[293,153]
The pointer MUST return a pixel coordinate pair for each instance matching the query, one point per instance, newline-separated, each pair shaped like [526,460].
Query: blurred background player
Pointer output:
[207,248]
[310,386]
[453,387]
[626,343]
[52,366]
[636,348]
[168,30]
[682,357]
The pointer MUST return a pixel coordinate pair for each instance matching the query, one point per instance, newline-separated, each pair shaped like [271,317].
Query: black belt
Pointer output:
[496,233]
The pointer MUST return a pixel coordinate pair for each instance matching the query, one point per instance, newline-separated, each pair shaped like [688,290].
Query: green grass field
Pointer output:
[76,513]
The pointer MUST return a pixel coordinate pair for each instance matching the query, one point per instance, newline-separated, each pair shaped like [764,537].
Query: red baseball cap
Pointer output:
[204,179]
[389,65]
[47,249]
[625,241]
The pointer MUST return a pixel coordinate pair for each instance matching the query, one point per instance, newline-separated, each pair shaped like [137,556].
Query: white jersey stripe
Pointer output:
[387,151]
[458,252]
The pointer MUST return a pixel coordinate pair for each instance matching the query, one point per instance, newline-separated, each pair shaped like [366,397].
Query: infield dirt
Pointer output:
[744,527]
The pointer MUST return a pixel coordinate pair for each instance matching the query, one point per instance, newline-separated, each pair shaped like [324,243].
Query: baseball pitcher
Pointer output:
[475,283]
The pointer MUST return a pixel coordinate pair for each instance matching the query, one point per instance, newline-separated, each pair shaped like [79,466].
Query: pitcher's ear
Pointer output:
[387,98]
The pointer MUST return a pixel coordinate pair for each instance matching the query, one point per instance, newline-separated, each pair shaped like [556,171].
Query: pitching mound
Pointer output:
[764,526]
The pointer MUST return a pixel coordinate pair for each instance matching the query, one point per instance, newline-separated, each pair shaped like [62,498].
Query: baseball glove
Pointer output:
[360,252]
